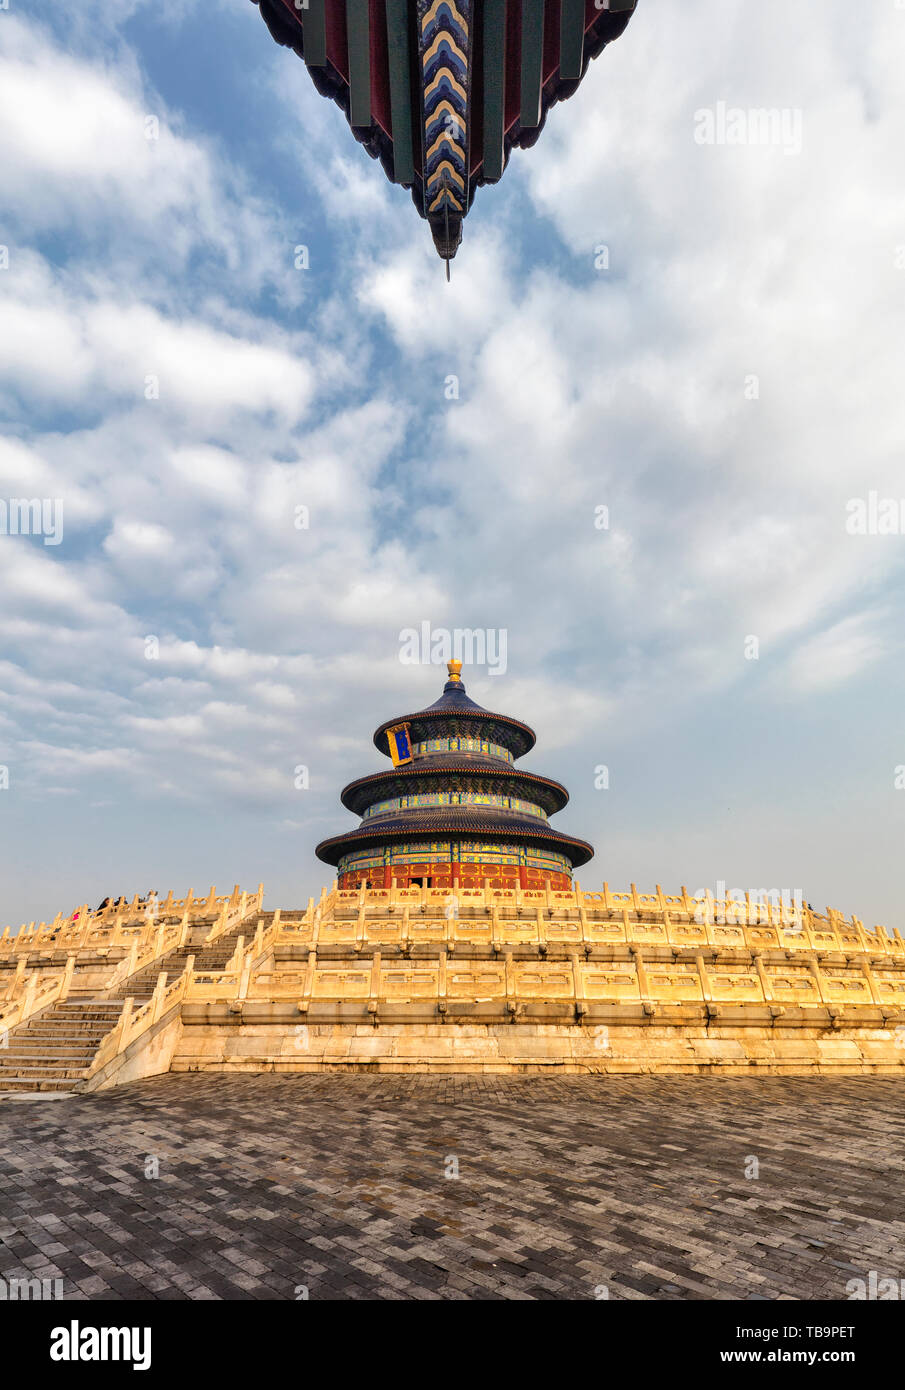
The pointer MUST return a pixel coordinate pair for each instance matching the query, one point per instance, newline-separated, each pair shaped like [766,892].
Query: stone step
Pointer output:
[114,1006]
[76,1025]
[70,1025]
[64,1029]
[88,1016]
[50,1066]
[23,1061]
[37,1040]
[46,1073]
[95,1026]
[82,1004]
[50,1018]
[38,1060]
[138,991]
[30,1083]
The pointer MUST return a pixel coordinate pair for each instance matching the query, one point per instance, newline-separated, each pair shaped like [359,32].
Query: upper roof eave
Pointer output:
[436,713]
[432,767]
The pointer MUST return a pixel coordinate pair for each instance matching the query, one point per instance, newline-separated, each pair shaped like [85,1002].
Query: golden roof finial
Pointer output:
[455,670]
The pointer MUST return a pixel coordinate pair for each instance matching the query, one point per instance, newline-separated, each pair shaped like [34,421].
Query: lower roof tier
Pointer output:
[460,831]
[467,857]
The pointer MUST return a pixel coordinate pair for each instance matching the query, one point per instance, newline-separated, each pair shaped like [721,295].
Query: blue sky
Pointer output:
[629,388]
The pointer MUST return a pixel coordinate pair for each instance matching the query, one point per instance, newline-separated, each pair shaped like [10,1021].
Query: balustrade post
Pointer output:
[67,977]
[16,982]
[858,928]
[157,997]
[578,986]
[125,1019]
[509,986]
[706,992]
[374,998]
[871,981]
[29,997]
[813,965]
[766,986]
[643,986]
[308,991]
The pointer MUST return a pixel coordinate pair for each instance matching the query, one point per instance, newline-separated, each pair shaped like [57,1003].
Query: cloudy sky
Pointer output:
[727,389]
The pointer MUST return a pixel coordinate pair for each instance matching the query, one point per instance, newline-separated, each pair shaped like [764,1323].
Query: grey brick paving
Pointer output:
[566,1186]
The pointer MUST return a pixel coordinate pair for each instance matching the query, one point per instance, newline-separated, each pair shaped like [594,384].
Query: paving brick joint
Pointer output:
[344,1187]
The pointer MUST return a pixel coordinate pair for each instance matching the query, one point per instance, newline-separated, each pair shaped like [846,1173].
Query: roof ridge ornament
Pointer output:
[455,671]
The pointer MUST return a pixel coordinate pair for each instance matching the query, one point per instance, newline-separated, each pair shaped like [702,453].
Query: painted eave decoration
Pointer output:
[441,91]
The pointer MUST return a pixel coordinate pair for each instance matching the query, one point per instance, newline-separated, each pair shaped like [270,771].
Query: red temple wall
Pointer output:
[464,875]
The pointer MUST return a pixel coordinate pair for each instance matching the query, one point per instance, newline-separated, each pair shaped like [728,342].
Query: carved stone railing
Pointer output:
[34,995]
[116,928]
[133,1023]
[444,982]
[587,920]
[579,950]
[233,912]
[166,938]
[116,931]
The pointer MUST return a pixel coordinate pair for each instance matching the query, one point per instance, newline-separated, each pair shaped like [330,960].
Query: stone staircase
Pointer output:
[54,1049]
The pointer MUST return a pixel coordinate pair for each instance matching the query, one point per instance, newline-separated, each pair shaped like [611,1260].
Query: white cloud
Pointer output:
[66,347]
[77,159]
[847,649]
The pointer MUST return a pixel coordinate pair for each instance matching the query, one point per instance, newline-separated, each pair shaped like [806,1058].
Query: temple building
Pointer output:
[453,939]
[441,91]
[454,811]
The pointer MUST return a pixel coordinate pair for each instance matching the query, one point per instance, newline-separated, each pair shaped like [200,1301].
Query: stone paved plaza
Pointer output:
[269,1185]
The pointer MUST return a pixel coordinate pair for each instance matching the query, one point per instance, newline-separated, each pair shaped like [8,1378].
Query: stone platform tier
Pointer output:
[70,987]
[493,980]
